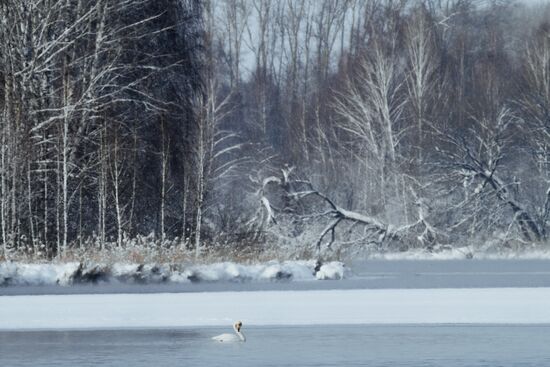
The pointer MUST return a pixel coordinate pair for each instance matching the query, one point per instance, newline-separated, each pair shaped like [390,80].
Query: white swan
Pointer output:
[231,338]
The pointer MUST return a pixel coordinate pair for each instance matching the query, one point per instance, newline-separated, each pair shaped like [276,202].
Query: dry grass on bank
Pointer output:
[141,254]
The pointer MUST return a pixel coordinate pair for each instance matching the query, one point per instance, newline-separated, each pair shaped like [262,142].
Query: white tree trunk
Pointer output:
[101,191]
[4,197]
[65,179]
[58,204]
[31,218]
[184,213]
[164,167]
[45,207]
[200,192]
[117,196]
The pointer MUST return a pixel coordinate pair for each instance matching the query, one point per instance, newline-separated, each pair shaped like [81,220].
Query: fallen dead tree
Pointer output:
[472,160]
[301,200]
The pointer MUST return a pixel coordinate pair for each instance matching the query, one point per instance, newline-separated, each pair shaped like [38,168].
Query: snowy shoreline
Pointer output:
[13,273]
[327,307]
[66,274]
[464,253]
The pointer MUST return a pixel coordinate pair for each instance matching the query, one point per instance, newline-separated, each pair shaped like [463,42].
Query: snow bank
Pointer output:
[78,273]
[365,306]
[36,274]
[333,270]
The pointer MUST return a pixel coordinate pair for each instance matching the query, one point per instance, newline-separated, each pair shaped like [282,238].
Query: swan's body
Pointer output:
[232,338]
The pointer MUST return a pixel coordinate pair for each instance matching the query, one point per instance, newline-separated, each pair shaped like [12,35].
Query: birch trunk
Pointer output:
[65,168]
[164,164]
[4,197]
[200,191]
[117,196]
[31,218]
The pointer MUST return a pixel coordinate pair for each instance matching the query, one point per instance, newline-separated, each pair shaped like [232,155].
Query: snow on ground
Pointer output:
[75,273]
[35,274]
[387,306]
[461,253]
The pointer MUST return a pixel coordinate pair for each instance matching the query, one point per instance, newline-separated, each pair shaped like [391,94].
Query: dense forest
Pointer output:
[304,126]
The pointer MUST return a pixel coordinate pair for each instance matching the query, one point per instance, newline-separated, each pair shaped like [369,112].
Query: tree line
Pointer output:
[331,124]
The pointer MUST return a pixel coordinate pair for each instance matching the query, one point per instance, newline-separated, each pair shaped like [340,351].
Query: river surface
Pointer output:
[368,345]
[341,345]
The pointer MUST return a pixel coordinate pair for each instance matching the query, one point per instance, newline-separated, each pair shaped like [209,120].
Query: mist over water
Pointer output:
[397,345]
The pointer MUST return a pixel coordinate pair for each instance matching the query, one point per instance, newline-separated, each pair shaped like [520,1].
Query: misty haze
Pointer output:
[369,179]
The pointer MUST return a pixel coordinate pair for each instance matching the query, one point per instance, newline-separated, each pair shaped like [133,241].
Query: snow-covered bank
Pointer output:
[408,306]
[82,273]
[465,252]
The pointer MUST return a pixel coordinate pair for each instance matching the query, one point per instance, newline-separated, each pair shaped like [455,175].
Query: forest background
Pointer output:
[291,128]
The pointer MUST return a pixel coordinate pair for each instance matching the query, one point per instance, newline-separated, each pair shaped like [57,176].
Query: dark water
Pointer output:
[370,274]
[396,345]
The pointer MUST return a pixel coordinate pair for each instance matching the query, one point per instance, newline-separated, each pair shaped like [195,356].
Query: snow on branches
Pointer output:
[299,199]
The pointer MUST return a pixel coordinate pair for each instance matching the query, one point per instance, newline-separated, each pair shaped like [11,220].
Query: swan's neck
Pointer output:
[239,334]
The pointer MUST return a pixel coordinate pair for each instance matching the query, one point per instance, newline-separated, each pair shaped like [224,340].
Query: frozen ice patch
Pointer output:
[321,307]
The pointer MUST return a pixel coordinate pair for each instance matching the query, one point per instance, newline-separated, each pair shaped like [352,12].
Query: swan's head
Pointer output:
[238,325]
